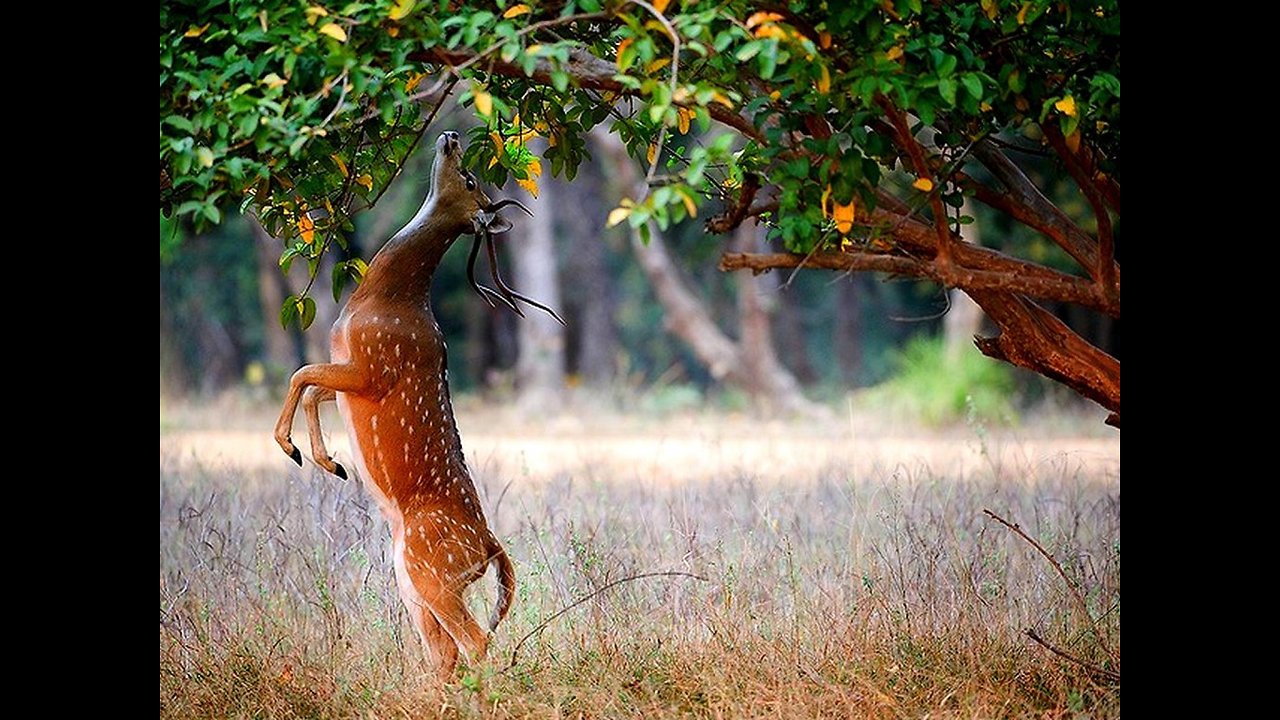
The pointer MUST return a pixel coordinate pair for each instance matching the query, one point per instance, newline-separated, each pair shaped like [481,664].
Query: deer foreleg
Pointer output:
[311,399]
[345,378]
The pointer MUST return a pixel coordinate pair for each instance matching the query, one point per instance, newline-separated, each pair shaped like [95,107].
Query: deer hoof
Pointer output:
[297,456]
[339,470]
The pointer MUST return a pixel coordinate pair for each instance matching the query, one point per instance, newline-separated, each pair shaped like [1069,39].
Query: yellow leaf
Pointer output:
[483,101]
[661,6]
[194,31]
[984,106]
[617,215]
[824,81]
[401,9]
[1022,14]
[652,152]
[622,46]
[769,30]
[990,8]
[923,184]
[683,116]
[689,204]
[762,17]
[497,144]
[824,40]
[393,30]
[845,244]
[314,13]
[722,99]
[342,166]
[204,156]
[535,168]
[493,161]
[533,49]
[530,185]
[656,65]
[1073,140]
[515,10]
[306,228]
[775,95]
[413,81]
[1066,106]
[366,180]
[273,80]
[334,31]
[262,20]
[843,215]
[894,52]
[825,195]
[656,27]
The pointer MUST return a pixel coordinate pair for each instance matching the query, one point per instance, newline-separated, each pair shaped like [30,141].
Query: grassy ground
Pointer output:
[858,578]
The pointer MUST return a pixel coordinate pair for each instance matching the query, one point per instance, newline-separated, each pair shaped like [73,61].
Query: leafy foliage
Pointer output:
[933,388]
[305,112]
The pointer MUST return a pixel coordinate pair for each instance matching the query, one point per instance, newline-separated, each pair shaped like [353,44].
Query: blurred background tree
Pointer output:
[854,135]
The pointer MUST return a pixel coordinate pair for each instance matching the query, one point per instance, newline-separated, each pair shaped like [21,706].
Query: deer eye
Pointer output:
[471,183]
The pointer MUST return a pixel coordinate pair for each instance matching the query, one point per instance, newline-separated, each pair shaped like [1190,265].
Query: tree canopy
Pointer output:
[854,129]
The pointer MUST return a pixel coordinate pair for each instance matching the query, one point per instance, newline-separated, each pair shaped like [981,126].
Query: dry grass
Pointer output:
[834,592]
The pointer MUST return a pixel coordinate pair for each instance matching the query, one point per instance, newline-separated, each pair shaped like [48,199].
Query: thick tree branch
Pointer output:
[1005,274]
[1031,337]
[1024,202]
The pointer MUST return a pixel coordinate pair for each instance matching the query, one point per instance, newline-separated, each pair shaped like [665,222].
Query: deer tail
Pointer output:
[506,587]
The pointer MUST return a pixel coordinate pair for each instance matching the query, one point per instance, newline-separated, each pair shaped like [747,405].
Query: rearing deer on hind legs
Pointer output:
[390,381]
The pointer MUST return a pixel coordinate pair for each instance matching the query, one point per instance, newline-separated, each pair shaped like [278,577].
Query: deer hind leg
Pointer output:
[446,604]
[346,377]
[311,399]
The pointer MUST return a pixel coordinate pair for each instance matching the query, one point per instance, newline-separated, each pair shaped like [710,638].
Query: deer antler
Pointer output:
[484,224]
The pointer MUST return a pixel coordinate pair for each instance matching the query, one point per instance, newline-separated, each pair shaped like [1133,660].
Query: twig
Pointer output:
[455,70]
[515,652]
[675,78]
[1081,608]
[1072,658]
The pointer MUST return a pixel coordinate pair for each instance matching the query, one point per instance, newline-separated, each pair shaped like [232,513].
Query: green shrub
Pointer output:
[930,387]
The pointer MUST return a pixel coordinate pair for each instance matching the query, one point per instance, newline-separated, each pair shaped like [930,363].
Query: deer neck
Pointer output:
[404,267]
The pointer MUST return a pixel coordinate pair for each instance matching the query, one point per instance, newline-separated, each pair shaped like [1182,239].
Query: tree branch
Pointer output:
[1104,270]
[1071,658]
[1024,202]
[908,142]
[1031,337]
[587,70]
[1006,274]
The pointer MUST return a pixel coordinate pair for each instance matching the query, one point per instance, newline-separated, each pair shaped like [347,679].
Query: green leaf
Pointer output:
[180,123]
[748,51]
[308,312]
[288,311]
[947,89]
[338,281]
[972,84]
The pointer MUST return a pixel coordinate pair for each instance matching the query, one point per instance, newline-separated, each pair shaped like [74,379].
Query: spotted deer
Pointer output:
[390,381]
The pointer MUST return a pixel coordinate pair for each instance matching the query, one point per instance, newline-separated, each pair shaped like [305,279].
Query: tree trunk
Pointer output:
[852,296]
[589,300]
[279,346]
[789,331]
[540,363]
[769,382]
[964,318]
[750,365]
[173,371]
